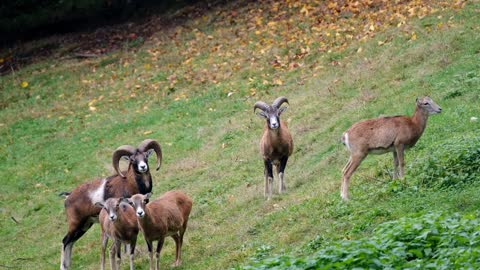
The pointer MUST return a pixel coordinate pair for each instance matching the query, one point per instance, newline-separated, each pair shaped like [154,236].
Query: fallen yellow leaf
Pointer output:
[24,84]
[278,82]
[304,10]
[414,36]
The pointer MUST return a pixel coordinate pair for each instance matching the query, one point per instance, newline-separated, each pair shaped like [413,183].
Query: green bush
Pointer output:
[449,164]
[431,241]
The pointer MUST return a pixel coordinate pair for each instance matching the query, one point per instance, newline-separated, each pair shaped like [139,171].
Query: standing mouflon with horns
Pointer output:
[276,144]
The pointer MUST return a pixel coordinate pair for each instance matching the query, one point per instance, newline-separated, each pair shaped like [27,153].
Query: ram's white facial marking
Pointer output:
[142,166]
[97,194]
[273,122]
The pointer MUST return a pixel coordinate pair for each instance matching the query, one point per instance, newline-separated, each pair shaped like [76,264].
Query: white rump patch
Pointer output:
[347,143]
[97,194]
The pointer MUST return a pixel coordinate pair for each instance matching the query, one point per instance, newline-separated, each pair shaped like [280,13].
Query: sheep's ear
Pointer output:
[126,200]
[262,114]
[149,152]
[147,198]
[281,110]
[129,201]
[126,157]
[99,205]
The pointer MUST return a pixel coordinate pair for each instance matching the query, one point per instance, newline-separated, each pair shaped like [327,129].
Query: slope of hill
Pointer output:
[192,87]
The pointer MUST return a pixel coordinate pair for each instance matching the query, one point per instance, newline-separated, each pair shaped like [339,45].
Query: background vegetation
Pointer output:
[29,19]
[192,86]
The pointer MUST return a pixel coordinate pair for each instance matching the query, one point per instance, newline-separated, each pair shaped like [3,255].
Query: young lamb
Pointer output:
[80,203]
[385,134]
[165,216]
[276,144]
[118,222]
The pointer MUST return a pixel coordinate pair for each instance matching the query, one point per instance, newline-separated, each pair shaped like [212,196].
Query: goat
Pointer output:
[276,144]
[165,216]
[80,203]
[118,222]
[385,134]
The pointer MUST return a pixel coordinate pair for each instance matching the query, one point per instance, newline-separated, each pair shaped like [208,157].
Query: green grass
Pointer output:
[61,130]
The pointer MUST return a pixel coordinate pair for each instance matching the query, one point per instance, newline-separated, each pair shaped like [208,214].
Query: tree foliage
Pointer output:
[25,16]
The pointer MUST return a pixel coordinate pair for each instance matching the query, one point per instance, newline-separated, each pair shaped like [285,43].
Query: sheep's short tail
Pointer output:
[64,194]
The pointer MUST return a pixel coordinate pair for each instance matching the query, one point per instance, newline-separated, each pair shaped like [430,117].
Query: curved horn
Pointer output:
[279,101]
[124,150]
[152,144]
[260,105]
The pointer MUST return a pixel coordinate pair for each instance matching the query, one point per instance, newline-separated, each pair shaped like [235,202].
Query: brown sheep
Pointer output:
[385,134]
[118,222]
[165,216]
[276,144]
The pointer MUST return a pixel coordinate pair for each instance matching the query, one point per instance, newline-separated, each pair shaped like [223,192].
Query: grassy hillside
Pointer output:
[192,87]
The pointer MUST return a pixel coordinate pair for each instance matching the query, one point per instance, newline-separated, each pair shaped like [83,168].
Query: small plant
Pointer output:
[455,162]
[315,244]
[262,252]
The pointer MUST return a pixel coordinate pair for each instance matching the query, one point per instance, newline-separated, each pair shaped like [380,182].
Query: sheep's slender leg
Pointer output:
[347,165]
[132,252]
[178,249]
[344,188]
[118,249]
[265,189]
[104,247]
[352,165]
[76,230]
[181,233]
[159,249]
[150,252]
[400,149]
[281,170]
[113,251]
[395,164]
[268,179]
